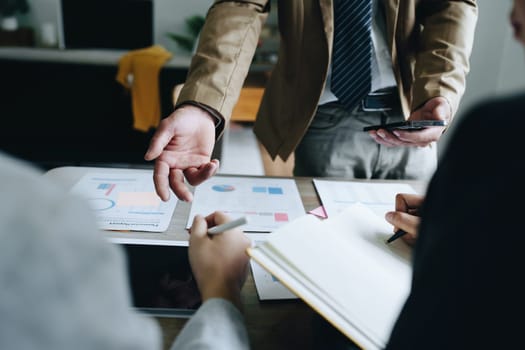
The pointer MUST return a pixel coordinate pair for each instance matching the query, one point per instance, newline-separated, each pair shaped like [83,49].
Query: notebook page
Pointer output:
[349,260]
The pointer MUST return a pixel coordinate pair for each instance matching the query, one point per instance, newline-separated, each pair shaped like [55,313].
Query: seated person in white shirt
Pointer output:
[63,286]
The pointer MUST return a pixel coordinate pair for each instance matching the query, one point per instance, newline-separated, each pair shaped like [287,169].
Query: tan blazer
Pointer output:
[430,42]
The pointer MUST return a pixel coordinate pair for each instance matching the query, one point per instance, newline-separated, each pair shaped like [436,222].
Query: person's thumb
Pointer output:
[441,111]
[439,108]
[198,228]
[390,217]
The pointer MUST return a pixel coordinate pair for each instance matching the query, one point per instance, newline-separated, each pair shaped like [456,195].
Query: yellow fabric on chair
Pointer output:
[139,70]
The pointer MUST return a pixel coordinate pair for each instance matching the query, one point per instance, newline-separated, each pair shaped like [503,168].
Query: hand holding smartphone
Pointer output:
[409,125]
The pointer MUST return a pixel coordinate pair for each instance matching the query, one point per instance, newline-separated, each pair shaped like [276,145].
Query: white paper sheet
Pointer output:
[268,287]
[377,196]
[126,201]
[267,203]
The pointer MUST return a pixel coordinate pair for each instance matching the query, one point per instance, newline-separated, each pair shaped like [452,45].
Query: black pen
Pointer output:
[399,233]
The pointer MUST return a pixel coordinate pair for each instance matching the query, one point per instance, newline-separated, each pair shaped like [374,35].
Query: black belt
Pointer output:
[381,101]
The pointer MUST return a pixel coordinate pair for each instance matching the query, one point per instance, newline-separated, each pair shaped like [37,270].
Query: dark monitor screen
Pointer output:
[107,24]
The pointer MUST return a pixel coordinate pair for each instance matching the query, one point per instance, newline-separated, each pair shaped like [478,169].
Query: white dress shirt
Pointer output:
[64,286]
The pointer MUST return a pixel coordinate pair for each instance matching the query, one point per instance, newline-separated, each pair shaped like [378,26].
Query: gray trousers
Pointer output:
[335,145]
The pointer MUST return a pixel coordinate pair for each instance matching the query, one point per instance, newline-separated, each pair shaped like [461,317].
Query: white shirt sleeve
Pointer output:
[63,286]
[217,324]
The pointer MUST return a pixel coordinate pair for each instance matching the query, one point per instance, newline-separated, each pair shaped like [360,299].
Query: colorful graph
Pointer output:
[267,203]
[101,203]
[281,217]
[269,190]
[125,201]
[223,188]
[106,187]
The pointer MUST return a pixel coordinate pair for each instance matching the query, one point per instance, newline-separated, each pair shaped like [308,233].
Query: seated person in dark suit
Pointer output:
[467,291]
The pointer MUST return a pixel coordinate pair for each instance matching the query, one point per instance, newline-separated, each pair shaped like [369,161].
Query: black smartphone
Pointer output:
[407,125]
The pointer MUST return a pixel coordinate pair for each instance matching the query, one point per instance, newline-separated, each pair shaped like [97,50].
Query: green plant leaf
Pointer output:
[183,41]
[195,24]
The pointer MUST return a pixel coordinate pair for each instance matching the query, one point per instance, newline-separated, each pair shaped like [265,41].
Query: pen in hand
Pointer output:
[399,233]
[228,226]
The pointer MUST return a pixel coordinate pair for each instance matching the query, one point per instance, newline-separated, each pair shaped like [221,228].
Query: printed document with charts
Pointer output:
[343,269]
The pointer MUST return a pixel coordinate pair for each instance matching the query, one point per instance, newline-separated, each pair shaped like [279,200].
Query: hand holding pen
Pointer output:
[405,218]
[218,258]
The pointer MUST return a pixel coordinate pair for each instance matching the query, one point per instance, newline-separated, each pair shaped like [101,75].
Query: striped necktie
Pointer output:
[352,49]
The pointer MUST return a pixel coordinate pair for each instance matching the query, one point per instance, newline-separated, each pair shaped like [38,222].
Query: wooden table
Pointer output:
[271,324]
[284,324]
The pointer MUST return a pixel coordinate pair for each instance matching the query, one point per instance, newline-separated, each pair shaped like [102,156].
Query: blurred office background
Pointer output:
[497,62]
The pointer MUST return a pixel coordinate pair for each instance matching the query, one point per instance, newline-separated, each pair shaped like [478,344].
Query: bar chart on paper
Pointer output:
[267,203]
[125,201]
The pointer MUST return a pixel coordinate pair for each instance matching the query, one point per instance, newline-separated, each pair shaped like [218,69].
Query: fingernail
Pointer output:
[381,133]
[389,216]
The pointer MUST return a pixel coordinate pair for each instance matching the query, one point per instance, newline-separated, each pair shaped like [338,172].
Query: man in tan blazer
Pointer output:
[428,44]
